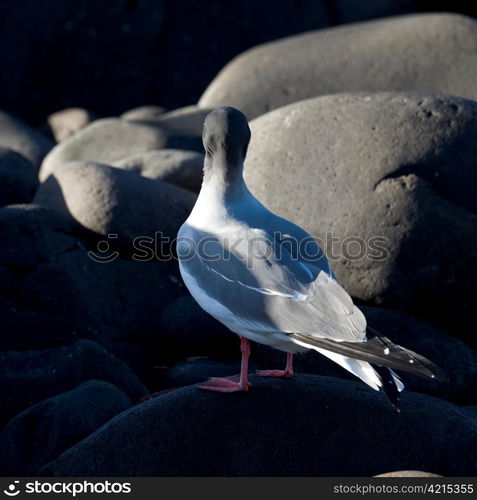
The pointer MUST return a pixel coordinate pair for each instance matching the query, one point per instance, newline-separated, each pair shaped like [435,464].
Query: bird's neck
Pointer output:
[223,178]
[221,195]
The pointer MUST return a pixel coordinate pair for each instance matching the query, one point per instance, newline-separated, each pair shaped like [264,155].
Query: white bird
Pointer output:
[248,268]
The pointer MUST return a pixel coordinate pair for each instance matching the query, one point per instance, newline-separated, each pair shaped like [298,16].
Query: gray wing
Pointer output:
[258,277]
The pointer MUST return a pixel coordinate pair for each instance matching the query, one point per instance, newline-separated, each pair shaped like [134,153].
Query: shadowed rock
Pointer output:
[307,426]
[18,136]
[18,178]
[30,376]
[39,434]
[54,284]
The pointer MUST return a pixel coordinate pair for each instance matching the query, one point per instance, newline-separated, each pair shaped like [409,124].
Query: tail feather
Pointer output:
[390,385]
[379,351]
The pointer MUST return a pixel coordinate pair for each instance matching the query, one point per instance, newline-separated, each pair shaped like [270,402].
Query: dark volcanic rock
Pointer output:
[19,137]
[111,139]
[116,203]
[18,178]
[388,184]
[431,53]
[299,427]
[39,434]
[29,376]
[182,168]
[456,359]
[23,328]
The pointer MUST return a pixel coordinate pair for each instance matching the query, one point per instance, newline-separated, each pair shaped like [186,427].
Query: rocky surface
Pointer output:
[62,124]
[28,377]
[431,53]
[298,427]
[111,139]
[18,136]
[18,178]
[179,167]
[388,175]
[39,434]
[116,204]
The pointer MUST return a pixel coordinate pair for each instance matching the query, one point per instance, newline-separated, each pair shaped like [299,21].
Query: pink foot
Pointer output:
[225,384]
[274,373]
[286,373]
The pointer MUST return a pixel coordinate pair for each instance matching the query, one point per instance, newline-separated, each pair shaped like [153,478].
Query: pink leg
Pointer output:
[234,383]
[287,372]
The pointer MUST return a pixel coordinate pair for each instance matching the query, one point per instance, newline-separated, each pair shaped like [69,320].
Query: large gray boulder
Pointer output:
[306,426]
[115,203]
[18,136]
[432,52]
[393,176]
[110,139]
[40,433]
[179,167]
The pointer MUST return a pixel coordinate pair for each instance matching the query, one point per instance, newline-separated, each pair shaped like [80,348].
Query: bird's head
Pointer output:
[226,135]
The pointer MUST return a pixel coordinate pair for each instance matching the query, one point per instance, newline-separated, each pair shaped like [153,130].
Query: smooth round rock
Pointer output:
[64,123]
[18,136]
[39,434]
[115,203]
[432,53]
[18,178]
[388,183]
[179,167]
[110,139]
[298,427]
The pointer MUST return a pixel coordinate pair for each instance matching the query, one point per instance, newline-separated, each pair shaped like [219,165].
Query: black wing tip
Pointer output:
[430,370]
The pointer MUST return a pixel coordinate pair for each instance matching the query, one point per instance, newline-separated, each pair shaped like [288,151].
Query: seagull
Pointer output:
[267,279]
